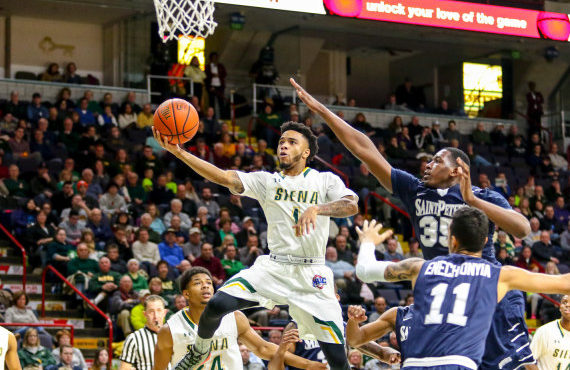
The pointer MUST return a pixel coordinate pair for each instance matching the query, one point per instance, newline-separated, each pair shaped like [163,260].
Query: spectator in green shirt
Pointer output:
[103,283]
[480,136]
[83,266]
[33,354]
[58,251]
[137,276]
[231,263]
[16,187]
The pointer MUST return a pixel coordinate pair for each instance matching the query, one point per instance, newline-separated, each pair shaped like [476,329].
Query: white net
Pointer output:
[184,17]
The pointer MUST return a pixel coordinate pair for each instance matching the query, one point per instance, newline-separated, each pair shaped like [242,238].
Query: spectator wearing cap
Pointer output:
[211,263]
[82,188]
[36,110]
[231,264]
[43,184]
[247,229]
[414,251]
[137,318]
[169,250]
[192,248]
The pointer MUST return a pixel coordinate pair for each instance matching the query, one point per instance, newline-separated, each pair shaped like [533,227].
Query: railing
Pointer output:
[39,324]
[91,304]
[553,301]
[159,77]
[278,89]
[388,202]
[22,249]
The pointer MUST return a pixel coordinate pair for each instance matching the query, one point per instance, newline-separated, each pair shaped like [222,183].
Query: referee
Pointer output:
[138,350]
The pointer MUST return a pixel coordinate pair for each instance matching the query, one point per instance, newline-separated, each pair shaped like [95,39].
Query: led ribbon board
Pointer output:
[458,15]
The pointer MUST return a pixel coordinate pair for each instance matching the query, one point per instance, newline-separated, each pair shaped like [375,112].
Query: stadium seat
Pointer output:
[23,75]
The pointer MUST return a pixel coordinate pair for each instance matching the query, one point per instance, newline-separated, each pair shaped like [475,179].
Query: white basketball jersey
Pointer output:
[551,347]
[225,349]
[4,333]
[284,198]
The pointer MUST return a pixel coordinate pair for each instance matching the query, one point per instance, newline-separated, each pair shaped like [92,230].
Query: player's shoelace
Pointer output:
[192,359]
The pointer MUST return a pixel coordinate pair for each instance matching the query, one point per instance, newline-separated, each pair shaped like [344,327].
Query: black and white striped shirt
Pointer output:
[138,349]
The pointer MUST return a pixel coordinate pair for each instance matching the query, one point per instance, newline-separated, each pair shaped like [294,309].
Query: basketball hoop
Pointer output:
[184,17]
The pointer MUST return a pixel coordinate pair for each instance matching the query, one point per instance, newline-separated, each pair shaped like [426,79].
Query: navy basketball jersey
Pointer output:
[404,320]
[454,301]
[431,211]
[310,350]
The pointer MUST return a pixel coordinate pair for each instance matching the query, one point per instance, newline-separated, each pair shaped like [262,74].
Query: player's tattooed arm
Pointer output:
[343,207]
[407,269]
[235,183]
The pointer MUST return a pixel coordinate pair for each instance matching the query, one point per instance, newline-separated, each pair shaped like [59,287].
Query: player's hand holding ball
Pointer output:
[371,233]
[175,122]
[357,314]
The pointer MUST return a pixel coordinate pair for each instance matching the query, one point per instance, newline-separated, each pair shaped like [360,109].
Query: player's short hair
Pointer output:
[455,153]
[306,132]
[188,274]
[470,227]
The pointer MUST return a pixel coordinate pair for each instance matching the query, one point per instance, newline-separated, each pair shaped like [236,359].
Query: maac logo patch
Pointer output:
[319,281]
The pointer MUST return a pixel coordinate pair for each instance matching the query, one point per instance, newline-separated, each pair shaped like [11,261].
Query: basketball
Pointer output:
[176,120]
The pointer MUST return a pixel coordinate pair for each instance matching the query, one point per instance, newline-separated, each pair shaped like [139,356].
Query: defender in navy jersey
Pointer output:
[310,350]
[444,188]
[396,319]
[454,296]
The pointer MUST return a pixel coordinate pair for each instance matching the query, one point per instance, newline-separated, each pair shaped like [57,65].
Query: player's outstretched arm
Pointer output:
[163,349]
[387,355]
[229,179]
[267,350]
[369,269]
[357,335]
[12,359]
[512,222]
[358,143]
[514,278]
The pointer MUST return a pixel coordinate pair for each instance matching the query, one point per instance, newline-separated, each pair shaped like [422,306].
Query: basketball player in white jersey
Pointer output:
[298,203]
[8,351]
[551,343]
[177,336]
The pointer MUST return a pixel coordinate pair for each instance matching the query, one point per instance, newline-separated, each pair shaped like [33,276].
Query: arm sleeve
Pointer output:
[336,189]
[254,184]
[404,186]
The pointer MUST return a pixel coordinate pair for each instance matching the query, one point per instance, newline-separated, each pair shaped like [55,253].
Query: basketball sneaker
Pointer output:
[193,359]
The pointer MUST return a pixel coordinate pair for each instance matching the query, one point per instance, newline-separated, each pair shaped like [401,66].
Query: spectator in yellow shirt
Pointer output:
[144,119]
